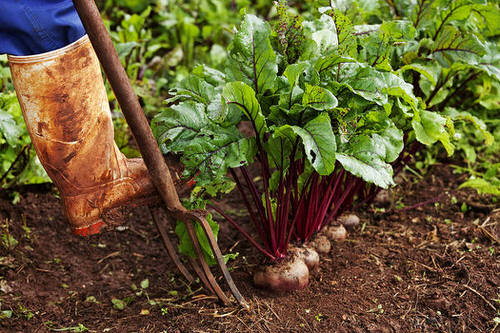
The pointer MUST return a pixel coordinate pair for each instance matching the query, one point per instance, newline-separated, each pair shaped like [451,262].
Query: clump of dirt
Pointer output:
[427,261]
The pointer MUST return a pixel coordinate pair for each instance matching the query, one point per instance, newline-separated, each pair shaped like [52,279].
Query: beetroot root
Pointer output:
[336,233]
[288,275]
[321,244]
[349,220]
[309,256]
[382,198]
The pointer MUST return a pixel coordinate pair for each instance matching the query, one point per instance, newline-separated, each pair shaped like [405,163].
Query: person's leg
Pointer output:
[67,114]
[30,27]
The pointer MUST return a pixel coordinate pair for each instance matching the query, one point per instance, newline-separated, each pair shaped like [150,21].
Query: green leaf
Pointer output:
[252,59]
[377,86]
[318,141]
[325,39]
[174,127]
[329,62]
[398,30]
[364,158]
[377,49]
[345,43]
[189,32]
[12,127]
[490,62]
[429,128]
[193,88]
[455,46]
[392,141]
[447,11]
[208,148]
[482,186]
[279,148]
[397,87]
[428,72]
[9,129]
[318,98]
[218,54]
[212,76]
[294,71]
[487,17]
[118,304]
[344,32]
[33,173]
[432,128]
[475,121]
[5,314]
[145,284]
[124,49]
[134,5]
[186,246]
[8,241]
[423,14]
[243,97]
[213,153]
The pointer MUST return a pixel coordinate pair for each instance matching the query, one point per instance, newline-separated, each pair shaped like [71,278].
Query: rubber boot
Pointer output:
[66,110]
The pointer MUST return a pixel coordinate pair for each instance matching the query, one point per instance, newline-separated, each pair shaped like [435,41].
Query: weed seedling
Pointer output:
[8,241]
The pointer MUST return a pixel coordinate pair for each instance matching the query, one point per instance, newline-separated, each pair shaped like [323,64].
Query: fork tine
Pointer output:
[200,266]
[220,260]
[173,254]
[161,226]
[201,259]
[199,272]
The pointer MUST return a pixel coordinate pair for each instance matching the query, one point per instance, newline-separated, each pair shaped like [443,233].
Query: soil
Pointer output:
[426,262]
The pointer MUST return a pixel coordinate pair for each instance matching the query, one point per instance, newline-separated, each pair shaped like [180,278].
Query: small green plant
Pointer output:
[121,304]
[7,240]
[5,314]
[164,311]
[142,287]
[91,299]
[25,312]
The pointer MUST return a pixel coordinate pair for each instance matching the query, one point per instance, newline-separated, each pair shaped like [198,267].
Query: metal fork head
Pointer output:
[199,264]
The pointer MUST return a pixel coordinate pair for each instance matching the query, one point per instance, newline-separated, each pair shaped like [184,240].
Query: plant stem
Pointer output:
[258,226]
[471,77]
[439,85]
[339,203]
[14,163]
[254,192]
[242,231]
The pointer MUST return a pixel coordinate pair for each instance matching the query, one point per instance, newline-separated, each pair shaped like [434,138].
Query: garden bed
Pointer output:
[433,267]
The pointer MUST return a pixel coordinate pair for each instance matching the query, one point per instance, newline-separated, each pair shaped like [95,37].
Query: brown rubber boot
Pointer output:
[66,109]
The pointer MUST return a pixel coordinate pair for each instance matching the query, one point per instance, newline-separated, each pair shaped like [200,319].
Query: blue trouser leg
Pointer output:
[30,27]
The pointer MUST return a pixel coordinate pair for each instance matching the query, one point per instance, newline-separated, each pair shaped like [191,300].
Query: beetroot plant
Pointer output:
[315,133]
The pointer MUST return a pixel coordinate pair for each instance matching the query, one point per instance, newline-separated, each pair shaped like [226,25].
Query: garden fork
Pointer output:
[153,158]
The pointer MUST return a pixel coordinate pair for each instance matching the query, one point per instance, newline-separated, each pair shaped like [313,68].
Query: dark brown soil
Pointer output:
[431,268]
